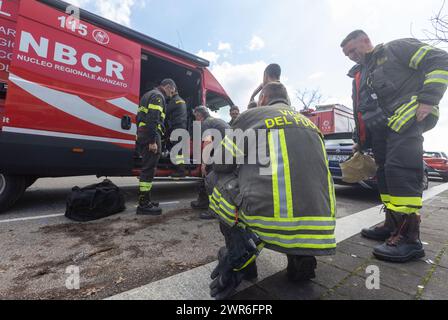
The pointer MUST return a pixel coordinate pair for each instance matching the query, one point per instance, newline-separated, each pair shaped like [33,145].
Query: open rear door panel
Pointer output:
[70,85]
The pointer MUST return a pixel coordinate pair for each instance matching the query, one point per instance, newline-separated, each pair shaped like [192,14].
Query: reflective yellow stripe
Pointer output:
[405,118]
[407,201]
[402,209]
[252,259]
[331,190]
[145,186]
[272,219]
[401,110]
[437,76]
[232,147]
[141,124]
[155,107]
[385,198]
[435,112]
[436,80]
[143,109]
[180,102]
[287,170]
[418,56]
[298,236]
[274,165]
[296,228]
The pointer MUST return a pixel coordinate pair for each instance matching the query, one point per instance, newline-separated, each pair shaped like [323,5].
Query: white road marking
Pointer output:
[193,284]
[62,214]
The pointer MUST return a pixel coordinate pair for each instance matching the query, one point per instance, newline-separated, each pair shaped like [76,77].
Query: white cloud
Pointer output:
[224,46]
[256,43]
[239,80]
[316,76]
[119,11]
[211,56]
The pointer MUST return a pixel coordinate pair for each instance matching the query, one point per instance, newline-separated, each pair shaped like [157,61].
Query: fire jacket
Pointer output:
[402,74]
[285,194]
[176,114]
[151,117]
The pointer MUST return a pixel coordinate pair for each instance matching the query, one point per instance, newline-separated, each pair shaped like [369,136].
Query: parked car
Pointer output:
[437,163]
[339,149]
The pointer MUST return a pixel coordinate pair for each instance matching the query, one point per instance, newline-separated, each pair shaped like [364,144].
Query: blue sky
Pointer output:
[241,37]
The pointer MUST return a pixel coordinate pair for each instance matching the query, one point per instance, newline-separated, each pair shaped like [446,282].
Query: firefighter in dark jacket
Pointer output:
[150,124]
[176,118]
[279,193]
[397,88]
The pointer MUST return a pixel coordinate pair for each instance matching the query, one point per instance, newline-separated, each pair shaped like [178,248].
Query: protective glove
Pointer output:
[225,279]
[243,249]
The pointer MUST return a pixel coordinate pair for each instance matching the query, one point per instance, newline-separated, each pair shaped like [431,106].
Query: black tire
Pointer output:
[445,178]
[11,189]
[425,181]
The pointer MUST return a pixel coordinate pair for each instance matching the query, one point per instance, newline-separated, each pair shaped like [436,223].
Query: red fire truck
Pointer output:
[70,88]
[333,118]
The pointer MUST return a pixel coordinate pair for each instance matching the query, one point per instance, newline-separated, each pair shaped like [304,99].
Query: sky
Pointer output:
[240,38]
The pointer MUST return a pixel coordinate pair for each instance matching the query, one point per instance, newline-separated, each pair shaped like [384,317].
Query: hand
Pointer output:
[153,148]
[204,170]
[225,280]
[356,148]
[423,111]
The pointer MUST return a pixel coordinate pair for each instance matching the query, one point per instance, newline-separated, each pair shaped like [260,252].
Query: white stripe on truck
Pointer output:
[64,135]
[72,105]
[125,104]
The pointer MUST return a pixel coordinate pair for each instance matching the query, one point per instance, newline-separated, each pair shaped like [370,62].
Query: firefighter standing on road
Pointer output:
[150,123]
[287,206]
[177,118]
[396,91]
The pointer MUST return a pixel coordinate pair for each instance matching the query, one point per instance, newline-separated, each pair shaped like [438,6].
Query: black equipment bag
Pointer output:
[94,202]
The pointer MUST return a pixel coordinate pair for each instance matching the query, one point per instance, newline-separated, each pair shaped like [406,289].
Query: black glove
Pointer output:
[243,249]
[225,279]
[375,120]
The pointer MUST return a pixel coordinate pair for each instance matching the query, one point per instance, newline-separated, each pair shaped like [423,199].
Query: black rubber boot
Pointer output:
[207,215]
[405,245]
[202,202]
[387,230]
[180,172]
[146,207]
[301,268]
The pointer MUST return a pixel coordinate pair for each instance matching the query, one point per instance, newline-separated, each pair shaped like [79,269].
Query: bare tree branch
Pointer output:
[309,98]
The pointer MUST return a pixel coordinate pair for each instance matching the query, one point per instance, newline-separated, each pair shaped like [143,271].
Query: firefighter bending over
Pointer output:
[285,202]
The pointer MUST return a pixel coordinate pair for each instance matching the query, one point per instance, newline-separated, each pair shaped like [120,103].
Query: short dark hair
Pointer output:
[234,108]
[275,91]
[273,71]
[203,111]
[169,82]
[353,35]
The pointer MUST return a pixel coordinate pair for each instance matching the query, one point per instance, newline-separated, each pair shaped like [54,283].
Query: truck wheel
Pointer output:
[11,189]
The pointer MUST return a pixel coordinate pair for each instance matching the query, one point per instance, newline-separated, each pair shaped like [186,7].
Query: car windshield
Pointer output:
[338,142]
[432,155]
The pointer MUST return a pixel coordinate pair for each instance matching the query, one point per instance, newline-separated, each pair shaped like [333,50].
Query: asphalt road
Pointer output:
[119,253]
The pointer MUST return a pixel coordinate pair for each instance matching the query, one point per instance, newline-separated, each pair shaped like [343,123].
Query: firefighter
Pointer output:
[272,73]
[150,123]
[285,202]
[176,118]
[397,88]
[207,123]
[234,113]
